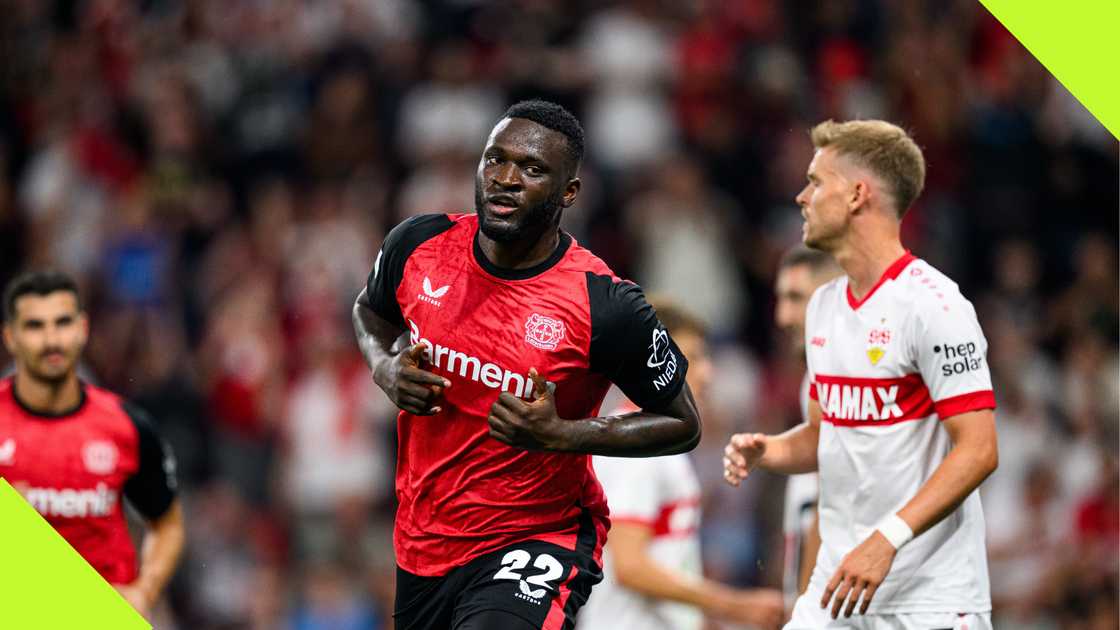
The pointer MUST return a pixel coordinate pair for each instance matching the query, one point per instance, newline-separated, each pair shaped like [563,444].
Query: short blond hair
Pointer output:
[884,148]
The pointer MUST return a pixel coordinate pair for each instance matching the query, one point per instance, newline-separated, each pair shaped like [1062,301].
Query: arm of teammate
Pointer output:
[151,490]
[629,346]
[792,452]
[810,546]
[973,457]
[636,570]
[399,375]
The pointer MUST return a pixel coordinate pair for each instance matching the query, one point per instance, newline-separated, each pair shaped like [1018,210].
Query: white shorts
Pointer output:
[808,615]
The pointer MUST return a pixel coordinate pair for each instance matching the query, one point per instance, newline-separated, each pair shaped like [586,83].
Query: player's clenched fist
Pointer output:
[533,425]
[741,455]
[410,387]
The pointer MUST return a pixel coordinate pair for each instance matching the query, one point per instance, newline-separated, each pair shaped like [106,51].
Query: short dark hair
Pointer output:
[38,282]
[556,118]
[815,259]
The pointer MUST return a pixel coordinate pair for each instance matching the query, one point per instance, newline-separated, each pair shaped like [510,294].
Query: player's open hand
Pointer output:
[860,573]
[529,425]
[741,455]
[408,385]
[761,607]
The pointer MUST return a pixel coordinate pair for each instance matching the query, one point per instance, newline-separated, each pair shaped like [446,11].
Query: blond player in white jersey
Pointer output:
[653,578]
[902,424]
[800,272]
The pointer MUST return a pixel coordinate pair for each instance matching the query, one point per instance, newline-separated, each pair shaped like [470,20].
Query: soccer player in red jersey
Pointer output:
[74,450]
[515,334]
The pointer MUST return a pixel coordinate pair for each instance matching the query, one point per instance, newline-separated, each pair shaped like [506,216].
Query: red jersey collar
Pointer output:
[891,273]
[66,413]
[520,274]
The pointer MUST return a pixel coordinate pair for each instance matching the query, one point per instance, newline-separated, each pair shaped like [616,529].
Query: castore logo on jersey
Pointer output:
[432,296]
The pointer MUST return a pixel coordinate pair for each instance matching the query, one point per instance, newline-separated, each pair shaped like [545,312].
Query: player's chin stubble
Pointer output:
[41,371]
[528,222]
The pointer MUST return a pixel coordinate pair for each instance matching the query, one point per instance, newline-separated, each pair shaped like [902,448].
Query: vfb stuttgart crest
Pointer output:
[543,332]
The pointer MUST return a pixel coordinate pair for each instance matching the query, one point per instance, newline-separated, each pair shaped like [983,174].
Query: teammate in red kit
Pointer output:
[516,333]
[74,450]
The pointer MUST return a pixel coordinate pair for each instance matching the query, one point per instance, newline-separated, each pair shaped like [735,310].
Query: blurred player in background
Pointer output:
[74,450]
[515,335]
[800,272]
[901,423]
[653,579]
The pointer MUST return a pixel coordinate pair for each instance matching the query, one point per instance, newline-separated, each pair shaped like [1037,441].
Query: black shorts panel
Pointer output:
[538,582]
[421,603]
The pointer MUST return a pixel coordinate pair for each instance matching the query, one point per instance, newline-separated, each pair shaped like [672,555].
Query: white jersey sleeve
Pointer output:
[630,484]
[950,351]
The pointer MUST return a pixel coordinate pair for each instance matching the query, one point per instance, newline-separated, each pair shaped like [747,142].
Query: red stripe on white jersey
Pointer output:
[956,405]
[675,518]
[859,402]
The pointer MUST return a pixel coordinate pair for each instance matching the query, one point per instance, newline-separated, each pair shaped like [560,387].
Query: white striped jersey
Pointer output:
[886,370]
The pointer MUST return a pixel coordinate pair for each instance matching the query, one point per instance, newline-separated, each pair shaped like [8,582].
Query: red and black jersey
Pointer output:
[461,492]
[75,467]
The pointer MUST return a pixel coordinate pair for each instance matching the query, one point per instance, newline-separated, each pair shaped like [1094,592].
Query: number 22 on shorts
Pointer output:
[517,559]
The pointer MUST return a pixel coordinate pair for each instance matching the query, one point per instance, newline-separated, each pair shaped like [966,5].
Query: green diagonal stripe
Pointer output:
[1079,43]
[45,584]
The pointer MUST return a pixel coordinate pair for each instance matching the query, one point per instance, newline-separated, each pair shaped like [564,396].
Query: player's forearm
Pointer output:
[793,452]
[961,472]
[162,547]
[639,434]
[632,435]
[810,546]
[375,335]
[641,574]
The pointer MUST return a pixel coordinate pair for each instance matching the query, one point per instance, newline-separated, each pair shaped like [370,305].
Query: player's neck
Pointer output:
[45,397]
[520,254]
[866,260]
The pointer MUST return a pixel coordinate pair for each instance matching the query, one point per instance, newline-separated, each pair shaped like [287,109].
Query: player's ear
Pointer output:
[860,194]
[571,190]
[9,341]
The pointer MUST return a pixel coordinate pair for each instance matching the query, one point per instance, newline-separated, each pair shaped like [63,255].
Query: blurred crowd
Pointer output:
[219,176]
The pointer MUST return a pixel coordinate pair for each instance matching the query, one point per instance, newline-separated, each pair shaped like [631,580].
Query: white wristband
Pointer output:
[895,530]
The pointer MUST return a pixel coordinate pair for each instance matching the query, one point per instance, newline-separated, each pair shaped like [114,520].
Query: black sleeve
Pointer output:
[388,269]
[630,346]
[151,489]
